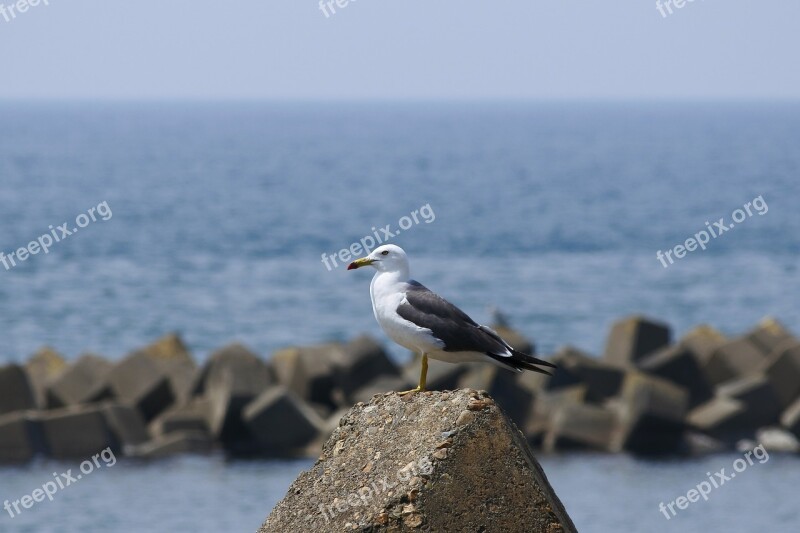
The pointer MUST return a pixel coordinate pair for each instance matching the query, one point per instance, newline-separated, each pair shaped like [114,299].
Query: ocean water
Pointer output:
[218,216]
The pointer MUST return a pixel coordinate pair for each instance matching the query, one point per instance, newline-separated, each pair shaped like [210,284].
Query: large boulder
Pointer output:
[16,393]
[581,426]
[759,397]
[703,341]
[723,418]
[632,338]
[436,461]
[82,382]
[43,368]
[769,334]
[126,425]
[192,416]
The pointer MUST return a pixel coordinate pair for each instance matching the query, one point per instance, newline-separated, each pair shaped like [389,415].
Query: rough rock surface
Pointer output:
[433,462]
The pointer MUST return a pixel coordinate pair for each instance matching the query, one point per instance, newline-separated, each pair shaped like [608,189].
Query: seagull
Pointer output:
[422,321]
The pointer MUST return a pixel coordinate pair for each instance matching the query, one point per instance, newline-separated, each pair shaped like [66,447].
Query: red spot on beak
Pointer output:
[352,266]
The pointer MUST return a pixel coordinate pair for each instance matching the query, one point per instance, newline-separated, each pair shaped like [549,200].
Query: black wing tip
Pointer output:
[521,357]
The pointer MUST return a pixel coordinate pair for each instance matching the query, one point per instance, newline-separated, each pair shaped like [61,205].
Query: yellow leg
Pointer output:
[423,376]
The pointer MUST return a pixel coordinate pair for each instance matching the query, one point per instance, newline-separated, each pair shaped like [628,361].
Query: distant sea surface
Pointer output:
[553,213]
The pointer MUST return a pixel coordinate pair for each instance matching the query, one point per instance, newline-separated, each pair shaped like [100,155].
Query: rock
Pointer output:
[82,382]
[722,418]
[733,360]
[189,417]
[782,368]
[310,372]
[235,376]
[73,433]
[20,437]
[181,442]
[758,396]
[361,361]
[138,381]
[634,337]
[575,367]
[581,426]
[282,423]
[126,425]
[790,419]
[775,439]
[16,393]
[679,365]
[651,412]
[173,359]
[383,470]
[769,334]
[44,368]
[703,341]
[503,386]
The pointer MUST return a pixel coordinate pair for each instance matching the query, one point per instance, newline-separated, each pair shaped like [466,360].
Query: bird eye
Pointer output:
[385,252]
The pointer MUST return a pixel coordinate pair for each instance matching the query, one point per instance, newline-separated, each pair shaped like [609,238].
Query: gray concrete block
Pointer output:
[545,404]
[174,360]
[734,359]
[759,397]
[82,382]
[581,426]
[790,418]
[679,365]
[192,416]
[769,334]
[126,425]
[782,368]
[651,412]
[575,367]
[72,433]
[179,443]
[281,422]
[515,400]
[361,361]
[632,338]
[138,381]
[703,341]
[43,368]
[16,393]
[20,437]
[722,418]
[310,372]
[235,377]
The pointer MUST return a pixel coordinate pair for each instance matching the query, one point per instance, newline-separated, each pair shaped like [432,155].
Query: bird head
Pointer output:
[386,258]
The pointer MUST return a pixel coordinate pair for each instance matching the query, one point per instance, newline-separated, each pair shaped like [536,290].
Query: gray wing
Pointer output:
[451,325]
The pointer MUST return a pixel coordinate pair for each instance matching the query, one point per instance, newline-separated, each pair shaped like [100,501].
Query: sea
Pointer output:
[233,222]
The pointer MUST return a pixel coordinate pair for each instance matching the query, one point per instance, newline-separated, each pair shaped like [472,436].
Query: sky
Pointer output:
[400,50]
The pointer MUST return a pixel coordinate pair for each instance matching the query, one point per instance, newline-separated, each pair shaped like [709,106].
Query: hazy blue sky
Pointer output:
[451,49]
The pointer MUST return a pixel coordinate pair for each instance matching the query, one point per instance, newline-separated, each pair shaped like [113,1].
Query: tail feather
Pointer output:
[522,361]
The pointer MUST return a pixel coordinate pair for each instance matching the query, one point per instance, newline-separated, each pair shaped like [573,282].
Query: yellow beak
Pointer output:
[358,263]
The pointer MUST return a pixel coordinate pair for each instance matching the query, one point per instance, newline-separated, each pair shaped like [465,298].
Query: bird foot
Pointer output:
[412,391]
